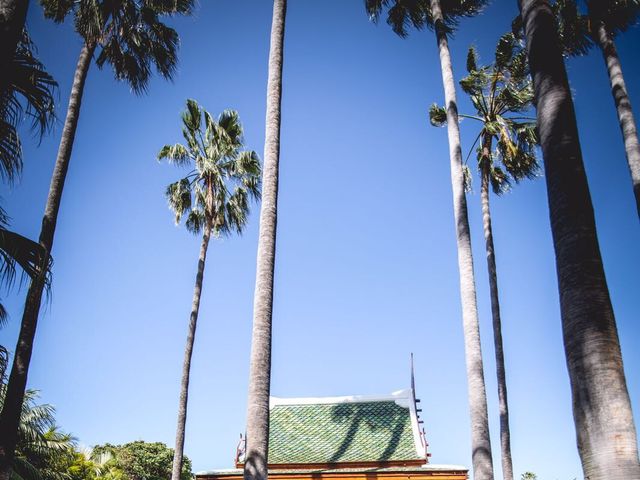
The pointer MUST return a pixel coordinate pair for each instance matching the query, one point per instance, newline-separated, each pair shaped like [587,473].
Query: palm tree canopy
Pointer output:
[129,34]
[404,14]
[41,445]
[501,94]
[224,177]
[578,30]
[28,91]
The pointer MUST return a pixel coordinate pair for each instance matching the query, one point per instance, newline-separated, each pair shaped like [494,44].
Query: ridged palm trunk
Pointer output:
[604,424]
[505,435]
[623,106]
[480,441]
[13,14]
[188,351]
[10,417]
[255,467]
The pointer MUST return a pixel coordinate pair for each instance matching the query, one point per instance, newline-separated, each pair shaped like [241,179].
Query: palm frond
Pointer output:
[573,28]
[28,93]
[16,250]
[405,14]
[472,59]
[437,115]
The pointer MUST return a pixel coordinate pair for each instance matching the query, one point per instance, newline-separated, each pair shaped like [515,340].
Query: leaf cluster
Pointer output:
[27,91]
[43,451]
[128,34]
[223,178]
[405,14]
[501,94]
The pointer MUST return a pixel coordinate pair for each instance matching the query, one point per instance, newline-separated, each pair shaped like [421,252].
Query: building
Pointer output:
[346,438]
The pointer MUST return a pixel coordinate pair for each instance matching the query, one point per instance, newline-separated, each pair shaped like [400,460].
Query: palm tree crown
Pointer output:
[129,33]
[204,195]
[500,94]
[578,32]
[403,14]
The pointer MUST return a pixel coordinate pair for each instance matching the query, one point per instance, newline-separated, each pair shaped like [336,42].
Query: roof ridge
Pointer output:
[401,397]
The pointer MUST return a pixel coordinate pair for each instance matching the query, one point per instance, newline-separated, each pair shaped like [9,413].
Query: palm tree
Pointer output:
[602,412]
[41,446]
[213,147]
[255,465]
[605,20]
[129,35]
[500,94]
[443,16]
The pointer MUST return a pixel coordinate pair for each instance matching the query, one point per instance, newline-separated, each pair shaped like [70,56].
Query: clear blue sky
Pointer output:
[366,262]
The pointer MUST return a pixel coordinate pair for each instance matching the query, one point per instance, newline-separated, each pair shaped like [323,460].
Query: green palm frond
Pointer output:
[573,28]
[27,92]
[130,34]
[437,115]
[220,167]
[40,444]
[505,51]
[405,14]
[617,15]
[472,59]
[500,183]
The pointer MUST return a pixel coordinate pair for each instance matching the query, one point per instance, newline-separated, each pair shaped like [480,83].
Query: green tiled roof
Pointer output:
[340,432]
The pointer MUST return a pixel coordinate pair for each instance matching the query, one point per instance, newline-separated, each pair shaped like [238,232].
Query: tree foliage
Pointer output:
[404,14]
[501,94]
[224,178]
[137,460]
[27,92]
[129,34]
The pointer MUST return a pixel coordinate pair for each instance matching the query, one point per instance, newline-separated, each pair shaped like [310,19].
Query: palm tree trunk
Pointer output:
[13,14]
[188,351]
[505,435]
[480,441]
[255,467]
[604,424]
[10,416]
[623,106]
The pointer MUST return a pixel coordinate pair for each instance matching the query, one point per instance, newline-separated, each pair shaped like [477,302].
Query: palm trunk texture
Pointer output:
[480,441]
[10,416]
[605,430]
[505,434]
[13,14]
[255,467]
[188,351]
[623,107]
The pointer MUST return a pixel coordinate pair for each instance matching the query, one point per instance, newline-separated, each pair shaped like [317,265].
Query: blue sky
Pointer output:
[366,262]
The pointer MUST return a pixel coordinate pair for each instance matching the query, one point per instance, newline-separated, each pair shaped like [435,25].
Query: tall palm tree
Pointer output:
[221,183]
[443,16]
[604,21]
[129,35]
[500,94]
[601,408]
[255,465]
